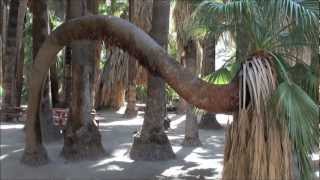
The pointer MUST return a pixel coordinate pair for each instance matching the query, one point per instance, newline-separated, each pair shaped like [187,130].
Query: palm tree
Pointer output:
[276,123]
[152,143]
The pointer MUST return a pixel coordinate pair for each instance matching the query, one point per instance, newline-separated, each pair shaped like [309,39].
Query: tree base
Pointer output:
[156,148]
[35,157]
[130,113]
[209,121]
[191,142]
[84,144]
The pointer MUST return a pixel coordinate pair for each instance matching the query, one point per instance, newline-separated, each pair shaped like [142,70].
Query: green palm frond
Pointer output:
[221,76]
[299,113]
[305,13]
[225,74]
[303,75]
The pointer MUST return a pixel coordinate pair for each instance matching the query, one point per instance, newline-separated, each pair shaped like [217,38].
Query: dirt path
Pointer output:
[117,133]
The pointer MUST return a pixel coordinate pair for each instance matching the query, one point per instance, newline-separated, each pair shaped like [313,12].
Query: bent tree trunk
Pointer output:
[214,98]
[152,143]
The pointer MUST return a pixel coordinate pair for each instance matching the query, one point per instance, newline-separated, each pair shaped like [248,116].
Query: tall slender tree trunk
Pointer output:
[35,154]
[82,139]
[54,85]
[40,30]
[12,60]
[152,143]
[113,80]
[114,77]
[187,48]
[140,12]
[3,12]
[54,79]
[67,75]
[191,137]
[208,120]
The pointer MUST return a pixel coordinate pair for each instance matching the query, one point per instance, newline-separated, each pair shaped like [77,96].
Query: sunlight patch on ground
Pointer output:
[174,124]
[172,171]
[122,110]
[3,156]
[176,148]
[119,155]
[132,122]
[11,126]
[224,119]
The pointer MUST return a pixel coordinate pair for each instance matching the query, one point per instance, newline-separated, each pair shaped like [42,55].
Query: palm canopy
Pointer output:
[274,29]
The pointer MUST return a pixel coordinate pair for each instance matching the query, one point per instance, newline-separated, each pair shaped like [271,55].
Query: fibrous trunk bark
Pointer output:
[67,78]
[111,91]
[257,149]
[54,85]
[208,120]
[82,139]
[54,79]
[152,143]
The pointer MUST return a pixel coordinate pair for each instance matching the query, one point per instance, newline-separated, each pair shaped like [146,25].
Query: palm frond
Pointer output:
[302,13]
[303,75]
[299,113]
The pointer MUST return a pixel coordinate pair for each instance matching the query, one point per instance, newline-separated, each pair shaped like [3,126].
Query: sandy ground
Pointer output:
[117,133]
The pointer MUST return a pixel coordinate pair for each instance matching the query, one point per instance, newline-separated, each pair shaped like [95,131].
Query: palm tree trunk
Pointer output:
[35,154]
[82,139]
[152,143]
[208,120]
[140,12]
[2,43]
[54,81]
[113,80]
[67,77]
[12,60]
[191,137]
[19,76]
[54,85]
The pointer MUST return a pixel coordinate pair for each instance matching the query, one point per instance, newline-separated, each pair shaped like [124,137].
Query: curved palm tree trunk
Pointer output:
[82,139]
[214,98]
[152,143]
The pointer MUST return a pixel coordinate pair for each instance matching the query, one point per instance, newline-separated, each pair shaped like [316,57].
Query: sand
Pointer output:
[116,131]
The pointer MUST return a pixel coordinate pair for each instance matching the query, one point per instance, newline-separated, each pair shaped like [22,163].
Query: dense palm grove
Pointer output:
[86,55]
